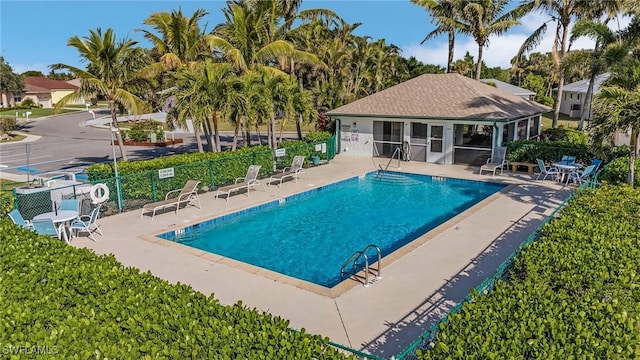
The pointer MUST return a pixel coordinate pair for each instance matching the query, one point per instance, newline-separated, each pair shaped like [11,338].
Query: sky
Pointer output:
[33,34]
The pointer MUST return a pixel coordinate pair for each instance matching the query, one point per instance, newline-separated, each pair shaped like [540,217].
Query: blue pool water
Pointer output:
[310,235]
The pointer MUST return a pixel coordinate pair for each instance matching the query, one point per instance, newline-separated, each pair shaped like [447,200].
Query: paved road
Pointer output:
[67,145]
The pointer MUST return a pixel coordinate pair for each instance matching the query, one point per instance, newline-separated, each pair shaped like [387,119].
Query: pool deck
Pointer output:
[420,282]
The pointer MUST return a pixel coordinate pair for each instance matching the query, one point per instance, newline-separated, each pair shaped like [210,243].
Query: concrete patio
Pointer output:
[420,282]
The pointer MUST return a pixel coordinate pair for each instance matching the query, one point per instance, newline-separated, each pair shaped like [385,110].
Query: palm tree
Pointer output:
[201,91]
[561,12]
[254,41]
[617,107]
[179,42]
[446,15]
[603,36]
[110,72]
[483,18]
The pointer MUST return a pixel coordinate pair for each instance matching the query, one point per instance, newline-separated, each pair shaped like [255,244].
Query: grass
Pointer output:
[563,120]
[8,185]
[13,138]
[35,112]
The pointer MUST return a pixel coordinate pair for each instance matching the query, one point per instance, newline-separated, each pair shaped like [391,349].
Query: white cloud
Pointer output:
[501,49]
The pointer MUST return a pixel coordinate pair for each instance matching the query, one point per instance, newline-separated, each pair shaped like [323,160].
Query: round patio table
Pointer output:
[564,168]
[61,216]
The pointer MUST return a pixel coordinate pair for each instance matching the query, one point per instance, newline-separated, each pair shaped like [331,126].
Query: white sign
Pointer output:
[165,173]
[281,152]
[324,148]
[318,147]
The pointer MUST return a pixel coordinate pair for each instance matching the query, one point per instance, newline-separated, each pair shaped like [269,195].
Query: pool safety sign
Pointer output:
[281,152]
[166,173]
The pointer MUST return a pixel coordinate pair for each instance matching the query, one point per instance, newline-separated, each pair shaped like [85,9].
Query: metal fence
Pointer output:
[131,191]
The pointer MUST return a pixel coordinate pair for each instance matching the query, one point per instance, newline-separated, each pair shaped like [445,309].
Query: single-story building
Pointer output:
[574,95]
[46,92]
[436,118]
[512,89]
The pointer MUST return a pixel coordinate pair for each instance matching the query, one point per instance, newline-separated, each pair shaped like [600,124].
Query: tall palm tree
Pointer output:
[483,18]
[179,42]
[562,12]
[617,107]
[446,15]
[603,36]
[254,41]
[110,72]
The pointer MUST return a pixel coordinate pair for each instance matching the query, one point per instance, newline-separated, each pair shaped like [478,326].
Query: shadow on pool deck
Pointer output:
[383,319]
[402,332]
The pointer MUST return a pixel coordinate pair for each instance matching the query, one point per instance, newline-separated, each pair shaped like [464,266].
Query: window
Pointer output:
[17,98]
[578,96]
[571,96]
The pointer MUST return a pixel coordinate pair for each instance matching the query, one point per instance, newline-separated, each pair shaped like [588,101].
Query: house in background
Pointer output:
[512,89]
[47,92]
[436,118]
[574,95]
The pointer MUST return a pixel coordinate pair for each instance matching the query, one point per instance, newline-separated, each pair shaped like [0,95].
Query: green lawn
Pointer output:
[13,138]
[35,112]
[563,120]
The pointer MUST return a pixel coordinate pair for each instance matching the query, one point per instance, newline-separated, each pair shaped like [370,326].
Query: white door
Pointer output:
[435,144]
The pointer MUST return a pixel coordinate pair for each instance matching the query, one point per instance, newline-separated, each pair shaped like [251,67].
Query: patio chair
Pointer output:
[86,222]
[495,162]
[47,227]
[17,219]
[185,195]
[70,204]
[250,180]
[568,159]
[290,171]
[579,177]
[546,172]
[596,163]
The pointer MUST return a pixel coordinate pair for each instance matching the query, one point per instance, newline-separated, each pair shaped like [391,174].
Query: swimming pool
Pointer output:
[310,235]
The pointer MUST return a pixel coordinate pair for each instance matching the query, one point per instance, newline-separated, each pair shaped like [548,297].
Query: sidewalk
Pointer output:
[422,280]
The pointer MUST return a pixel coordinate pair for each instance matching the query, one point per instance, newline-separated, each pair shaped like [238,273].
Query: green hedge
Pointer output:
[549,151]
[617,170]
[78,305]
[574,293]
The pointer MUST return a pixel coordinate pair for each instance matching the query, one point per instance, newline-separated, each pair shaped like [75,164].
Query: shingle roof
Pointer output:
[442,96]
[582,85]
[43,84]
[511,89]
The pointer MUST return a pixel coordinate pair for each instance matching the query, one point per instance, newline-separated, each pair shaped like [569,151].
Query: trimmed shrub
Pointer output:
[571,136]
[617,170]
[7,124]
[549,151]
[75,304]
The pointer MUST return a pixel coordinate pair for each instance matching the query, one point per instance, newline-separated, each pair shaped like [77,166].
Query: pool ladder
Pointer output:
[396,151]
[355,257]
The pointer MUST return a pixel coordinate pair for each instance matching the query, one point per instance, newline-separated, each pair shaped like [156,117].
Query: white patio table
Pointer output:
[61,216]
[564,169]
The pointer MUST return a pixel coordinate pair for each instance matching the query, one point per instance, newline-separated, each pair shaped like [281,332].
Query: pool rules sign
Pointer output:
[165,173]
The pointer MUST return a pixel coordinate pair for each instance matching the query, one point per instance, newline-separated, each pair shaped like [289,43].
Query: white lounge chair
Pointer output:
[250,180]
[186,194]
[497,161]
[553,171]
[290,171]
